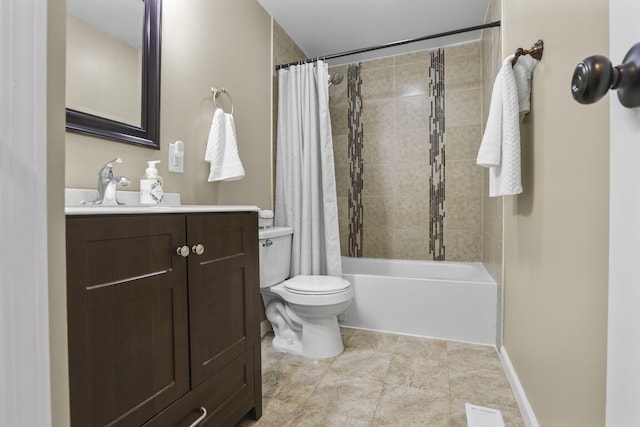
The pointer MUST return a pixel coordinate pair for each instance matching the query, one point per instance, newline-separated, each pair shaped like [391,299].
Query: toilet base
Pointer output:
[287,345]
[307,330]
[321,339]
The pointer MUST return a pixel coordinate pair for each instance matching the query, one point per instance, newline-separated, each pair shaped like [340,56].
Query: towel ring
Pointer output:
[218,90]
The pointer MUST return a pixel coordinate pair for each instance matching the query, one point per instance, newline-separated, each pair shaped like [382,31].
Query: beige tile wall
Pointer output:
[492,206]
[463,132]
[396,155]
[339,127]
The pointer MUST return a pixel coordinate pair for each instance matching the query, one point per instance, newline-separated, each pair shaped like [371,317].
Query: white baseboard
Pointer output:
[521,398]
[265,326]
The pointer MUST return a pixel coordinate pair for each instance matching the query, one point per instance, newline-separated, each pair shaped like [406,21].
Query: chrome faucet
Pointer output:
[107,185]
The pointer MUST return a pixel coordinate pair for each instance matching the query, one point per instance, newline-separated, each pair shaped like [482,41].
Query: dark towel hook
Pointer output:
[535,52]
[595,75]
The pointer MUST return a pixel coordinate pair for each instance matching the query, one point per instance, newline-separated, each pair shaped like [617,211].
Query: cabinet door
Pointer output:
[223,290]
[127,316]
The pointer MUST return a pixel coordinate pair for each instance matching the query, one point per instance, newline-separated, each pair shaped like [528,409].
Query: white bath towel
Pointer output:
[523,71]
[222,149]
[500,147]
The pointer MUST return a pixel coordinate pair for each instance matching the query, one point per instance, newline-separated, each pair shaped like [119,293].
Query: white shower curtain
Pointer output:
[305,177]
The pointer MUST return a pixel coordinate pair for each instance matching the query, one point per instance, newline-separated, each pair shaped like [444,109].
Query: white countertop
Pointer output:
[155,209]
[171,204]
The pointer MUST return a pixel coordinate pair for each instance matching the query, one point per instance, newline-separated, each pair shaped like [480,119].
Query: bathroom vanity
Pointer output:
[163,315]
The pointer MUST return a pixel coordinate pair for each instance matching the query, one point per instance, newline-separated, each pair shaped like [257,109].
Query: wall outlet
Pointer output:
[176,157]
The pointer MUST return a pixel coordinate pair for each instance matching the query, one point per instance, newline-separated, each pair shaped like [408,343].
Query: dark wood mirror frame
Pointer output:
[148,133]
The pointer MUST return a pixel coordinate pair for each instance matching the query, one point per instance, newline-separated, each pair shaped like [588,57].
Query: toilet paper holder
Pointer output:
[595,75]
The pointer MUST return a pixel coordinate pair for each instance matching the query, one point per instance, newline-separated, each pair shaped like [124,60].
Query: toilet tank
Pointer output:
[275,255]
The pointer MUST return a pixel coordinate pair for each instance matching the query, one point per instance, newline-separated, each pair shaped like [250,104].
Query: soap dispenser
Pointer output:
[151,185]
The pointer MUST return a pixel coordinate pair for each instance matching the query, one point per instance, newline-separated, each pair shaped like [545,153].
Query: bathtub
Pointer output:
[444,300]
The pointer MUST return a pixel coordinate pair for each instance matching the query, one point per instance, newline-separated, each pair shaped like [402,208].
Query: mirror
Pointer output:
[113,70]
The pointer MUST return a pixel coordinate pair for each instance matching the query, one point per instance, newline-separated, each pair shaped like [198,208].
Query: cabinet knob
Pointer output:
[198,249]
[203,410]
[183,251]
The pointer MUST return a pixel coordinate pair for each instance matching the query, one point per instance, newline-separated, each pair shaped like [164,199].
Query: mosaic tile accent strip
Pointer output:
[436,155]
[356,170]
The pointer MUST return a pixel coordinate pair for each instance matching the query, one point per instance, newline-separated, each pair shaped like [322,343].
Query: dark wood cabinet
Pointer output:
[155,336]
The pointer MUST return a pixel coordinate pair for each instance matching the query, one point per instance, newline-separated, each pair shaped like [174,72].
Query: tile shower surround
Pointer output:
[383,380]
[406,212]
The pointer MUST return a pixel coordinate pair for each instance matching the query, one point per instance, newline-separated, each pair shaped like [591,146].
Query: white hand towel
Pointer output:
[222,149]
[500,147]
[523,70]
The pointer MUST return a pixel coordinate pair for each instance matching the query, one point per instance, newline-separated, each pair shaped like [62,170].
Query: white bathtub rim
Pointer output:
[485,278]
[492,282]
[410,261]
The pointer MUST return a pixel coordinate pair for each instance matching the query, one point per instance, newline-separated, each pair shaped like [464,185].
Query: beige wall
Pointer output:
[57,280]
[556,232]
[226,43]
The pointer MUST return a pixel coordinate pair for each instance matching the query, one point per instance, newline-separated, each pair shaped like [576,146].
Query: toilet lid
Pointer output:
[316,285]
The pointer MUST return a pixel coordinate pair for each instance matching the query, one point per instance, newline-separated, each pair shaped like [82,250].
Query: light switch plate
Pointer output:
[176,159]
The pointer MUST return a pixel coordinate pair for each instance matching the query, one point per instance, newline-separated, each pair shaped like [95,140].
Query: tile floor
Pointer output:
[383,380]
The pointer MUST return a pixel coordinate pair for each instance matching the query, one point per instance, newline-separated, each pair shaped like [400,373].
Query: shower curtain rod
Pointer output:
[393,44]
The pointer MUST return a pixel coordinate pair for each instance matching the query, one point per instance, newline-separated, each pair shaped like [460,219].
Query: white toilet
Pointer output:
[303,310]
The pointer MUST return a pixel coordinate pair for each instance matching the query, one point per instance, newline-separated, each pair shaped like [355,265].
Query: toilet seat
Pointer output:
[308,298]
[316,285]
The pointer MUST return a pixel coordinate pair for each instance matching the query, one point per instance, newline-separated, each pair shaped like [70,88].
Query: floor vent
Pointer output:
[479,416]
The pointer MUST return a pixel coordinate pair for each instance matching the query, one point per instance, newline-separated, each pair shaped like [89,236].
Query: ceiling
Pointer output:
[324,27]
